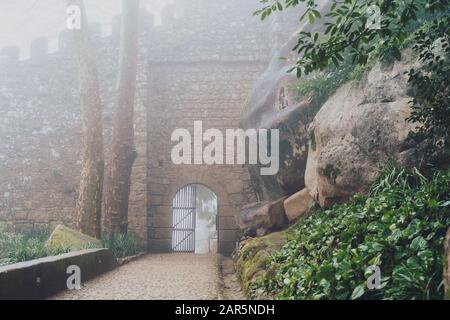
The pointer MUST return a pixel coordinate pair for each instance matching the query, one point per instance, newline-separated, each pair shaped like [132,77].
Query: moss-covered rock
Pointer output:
[72,239]
[253,258]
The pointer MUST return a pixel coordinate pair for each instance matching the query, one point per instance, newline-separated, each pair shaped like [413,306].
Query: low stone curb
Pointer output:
[42,278]
[123,261]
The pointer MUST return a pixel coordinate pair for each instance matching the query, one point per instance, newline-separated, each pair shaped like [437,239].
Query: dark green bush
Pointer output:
[399,227]
[121,245]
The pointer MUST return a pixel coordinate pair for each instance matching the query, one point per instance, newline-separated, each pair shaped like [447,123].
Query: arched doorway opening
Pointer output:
[194,216]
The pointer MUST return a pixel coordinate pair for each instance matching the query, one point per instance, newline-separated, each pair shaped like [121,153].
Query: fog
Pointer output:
[205,228]
[21,21]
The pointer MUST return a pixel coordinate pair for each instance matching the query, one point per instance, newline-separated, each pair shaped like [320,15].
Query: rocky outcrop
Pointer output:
[262,218]
[298,205]
[72,239]
[356,131]
[273,105]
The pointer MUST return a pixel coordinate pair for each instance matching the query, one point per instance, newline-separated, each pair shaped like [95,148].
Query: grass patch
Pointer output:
[19,247]
[121,245]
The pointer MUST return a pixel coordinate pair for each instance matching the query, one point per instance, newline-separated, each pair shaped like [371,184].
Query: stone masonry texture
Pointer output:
[199,64]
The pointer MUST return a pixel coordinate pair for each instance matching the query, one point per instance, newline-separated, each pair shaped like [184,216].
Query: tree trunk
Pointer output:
[89,202]
[447,266]
[123,154]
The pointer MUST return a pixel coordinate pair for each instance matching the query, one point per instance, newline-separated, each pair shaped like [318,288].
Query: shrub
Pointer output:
[431,82]
[19,247]
[321,85]
[121,245]
[400,227]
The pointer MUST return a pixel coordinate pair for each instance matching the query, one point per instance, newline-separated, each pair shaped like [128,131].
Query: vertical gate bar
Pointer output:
[174,235]
[194,212]
[177,219]
[189,225]
[189,244]
[186,198]
[182,214]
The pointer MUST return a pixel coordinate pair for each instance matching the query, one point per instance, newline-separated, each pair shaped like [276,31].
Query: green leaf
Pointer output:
[418,243]
[310,18]
[280,6]
[317,13]
[358,291]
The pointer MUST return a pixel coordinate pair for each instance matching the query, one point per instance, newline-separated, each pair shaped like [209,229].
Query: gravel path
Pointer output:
[155,276]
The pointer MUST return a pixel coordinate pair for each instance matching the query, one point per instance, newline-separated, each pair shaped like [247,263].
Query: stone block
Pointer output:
[263,217]
[38,215]
[162,221]
[298,204]
[227,223]
[234,186]
[227,247]
[229,235]
[160,245]
[162,233]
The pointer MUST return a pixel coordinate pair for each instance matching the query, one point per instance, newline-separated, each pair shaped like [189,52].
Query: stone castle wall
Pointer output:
[40,128]
[200,64]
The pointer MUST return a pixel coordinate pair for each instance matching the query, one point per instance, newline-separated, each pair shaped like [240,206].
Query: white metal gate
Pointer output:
[184,214]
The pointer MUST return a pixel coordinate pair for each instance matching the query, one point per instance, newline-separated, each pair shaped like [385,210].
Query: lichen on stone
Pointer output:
[72,239]
[253,258]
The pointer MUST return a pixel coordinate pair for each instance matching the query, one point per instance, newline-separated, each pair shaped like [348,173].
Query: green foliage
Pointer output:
[351,28]
[121,245]
[19,247]
[361,29]
[321,85]
[400,227]
[431,81]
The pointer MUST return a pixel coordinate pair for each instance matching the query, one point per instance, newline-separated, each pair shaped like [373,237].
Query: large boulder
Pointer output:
[273,105]
[262,217]
[447,266]
[298,205]
[357,131]
[72,239]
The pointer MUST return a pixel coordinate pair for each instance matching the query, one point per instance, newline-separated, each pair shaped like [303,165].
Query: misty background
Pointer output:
[21,21]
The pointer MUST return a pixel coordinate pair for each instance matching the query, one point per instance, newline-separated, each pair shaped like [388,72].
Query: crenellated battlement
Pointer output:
[190,31]
[39,47]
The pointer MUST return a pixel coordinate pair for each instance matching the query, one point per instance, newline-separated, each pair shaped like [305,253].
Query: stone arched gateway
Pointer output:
[230,196]
[194,220]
